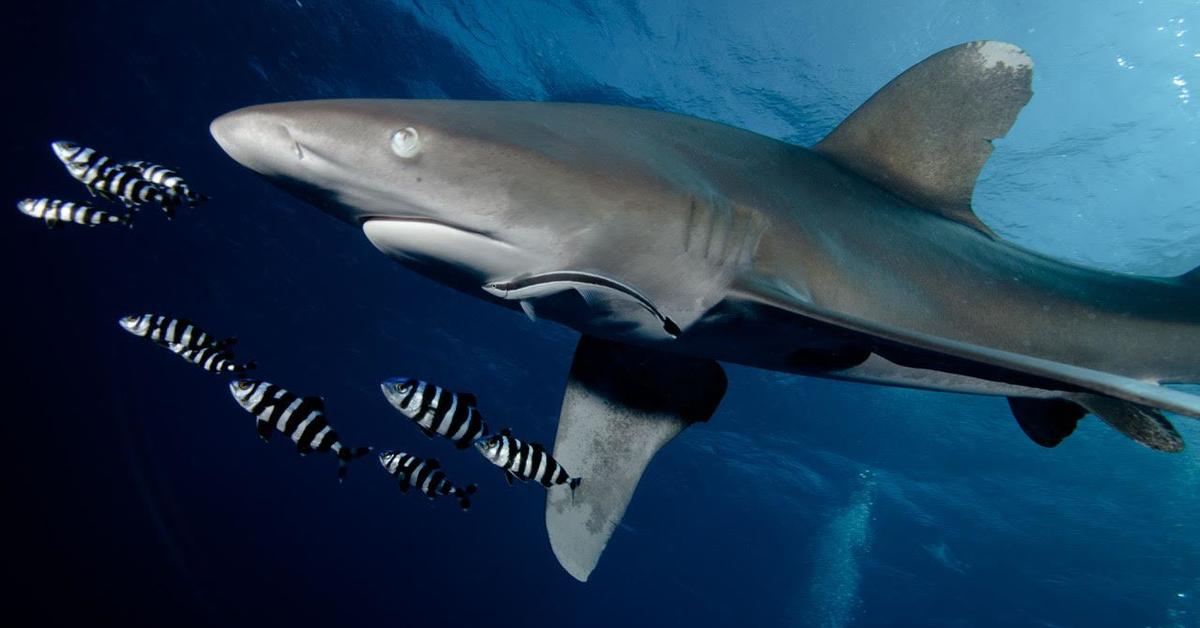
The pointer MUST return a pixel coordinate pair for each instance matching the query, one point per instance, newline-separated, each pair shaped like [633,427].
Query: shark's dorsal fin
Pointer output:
[622,404]
[926,135]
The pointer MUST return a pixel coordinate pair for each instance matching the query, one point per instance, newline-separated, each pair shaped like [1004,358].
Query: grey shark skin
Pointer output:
[858,259]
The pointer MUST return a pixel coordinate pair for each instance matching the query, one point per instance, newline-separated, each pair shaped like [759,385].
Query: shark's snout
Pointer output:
[258,139]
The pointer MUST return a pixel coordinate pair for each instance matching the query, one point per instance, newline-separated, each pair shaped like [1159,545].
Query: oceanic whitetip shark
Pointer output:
[673,243]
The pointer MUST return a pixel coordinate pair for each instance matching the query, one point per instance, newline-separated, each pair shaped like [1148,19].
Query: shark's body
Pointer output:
[859,259]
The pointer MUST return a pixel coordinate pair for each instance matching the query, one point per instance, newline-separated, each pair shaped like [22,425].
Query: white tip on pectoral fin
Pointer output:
[622,404]
[527,307]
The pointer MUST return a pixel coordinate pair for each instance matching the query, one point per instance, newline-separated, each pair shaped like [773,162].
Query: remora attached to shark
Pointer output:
[858,259]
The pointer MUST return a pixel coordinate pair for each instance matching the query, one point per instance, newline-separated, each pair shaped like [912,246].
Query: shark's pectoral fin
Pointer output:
[926,135]
[622,404]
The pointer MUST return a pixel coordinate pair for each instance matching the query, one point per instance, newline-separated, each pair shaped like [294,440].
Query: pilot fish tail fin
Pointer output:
[345,455]
[464,496]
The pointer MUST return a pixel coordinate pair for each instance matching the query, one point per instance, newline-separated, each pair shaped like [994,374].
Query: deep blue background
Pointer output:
[136,490]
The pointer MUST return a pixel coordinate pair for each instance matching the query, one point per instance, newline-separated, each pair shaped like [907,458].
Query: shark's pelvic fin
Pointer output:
[926,135]
[622,404]
[898,344]
[1046,422]
[1049,421]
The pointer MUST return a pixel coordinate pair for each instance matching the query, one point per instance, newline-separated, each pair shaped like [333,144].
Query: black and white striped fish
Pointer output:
[211,359]
[528,461]
[54,213]
[301,418]
[126,185]
[85,164]
[168,331]
[111,180]
[169,180]
[436,410]
[426,475]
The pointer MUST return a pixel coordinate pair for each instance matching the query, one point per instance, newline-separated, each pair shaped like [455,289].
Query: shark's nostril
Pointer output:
[299,150]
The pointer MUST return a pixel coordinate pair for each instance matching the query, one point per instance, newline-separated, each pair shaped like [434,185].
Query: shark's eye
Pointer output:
[406,142]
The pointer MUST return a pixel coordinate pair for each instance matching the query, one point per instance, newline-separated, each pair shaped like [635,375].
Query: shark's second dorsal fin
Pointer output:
[926,135]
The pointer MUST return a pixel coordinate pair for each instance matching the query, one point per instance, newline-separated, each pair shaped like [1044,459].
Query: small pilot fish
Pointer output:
[168,180]
[110,180]
[426,475]
[436,410]
[125,184]
[300,418]
[211,359]
[55,212]
[84,164]
[168,331]
[528,461]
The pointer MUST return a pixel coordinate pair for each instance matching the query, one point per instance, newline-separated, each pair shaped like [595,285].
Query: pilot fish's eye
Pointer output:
[402,387]
[243,385]
[406,142]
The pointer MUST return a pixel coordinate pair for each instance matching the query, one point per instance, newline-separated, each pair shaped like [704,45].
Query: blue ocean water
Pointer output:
[137,492]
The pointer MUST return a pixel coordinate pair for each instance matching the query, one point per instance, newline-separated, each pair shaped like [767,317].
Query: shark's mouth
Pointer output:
[444,251]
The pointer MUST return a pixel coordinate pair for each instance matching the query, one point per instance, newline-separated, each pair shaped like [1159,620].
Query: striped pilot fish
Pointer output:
[436,410]
[126,185]
[300,418]
[426,475]
[168,180]
[527,461]
[85,164]
[110,180]
[55,212]
[211,359]
[168,331]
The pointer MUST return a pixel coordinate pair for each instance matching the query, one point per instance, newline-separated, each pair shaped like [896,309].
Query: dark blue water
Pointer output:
[136,491]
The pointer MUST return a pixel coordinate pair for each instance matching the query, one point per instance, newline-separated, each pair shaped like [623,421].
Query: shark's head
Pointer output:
[486,190]
[444,161]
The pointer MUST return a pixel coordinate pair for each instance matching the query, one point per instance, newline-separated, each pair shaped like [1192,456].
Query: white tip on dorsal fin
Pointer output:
[926,135]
